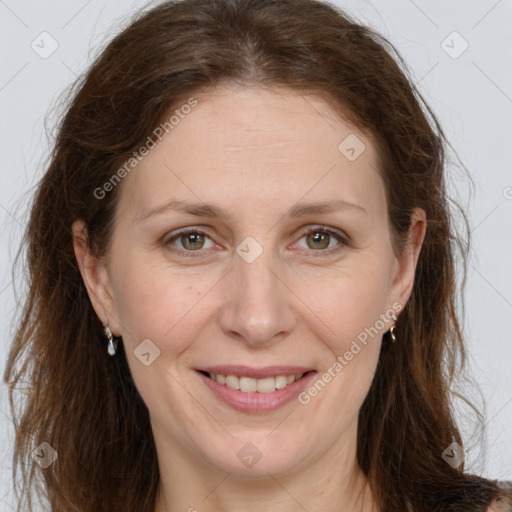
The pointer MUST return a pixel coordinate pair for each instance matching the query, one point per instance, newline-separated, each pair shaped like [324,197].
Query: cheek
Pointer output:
[349,303]
[155,303]
[348,319]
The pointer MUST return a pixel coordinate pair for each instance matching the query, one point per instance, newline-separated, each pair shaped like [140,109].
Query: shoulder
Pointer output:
[503,504]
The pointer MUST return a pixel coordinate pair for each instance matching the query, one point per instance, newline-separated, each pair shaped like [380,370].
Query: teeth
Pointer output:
[249,385]
[282,381]
[232,382]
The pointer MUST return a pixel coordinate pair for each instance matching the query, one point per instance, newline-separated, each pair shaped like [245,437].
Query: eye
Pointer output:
[324,240]
[189,240]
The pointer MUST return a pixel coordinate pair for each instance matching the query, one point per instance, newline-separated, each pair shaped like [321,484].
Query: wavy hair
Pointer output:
[85,404]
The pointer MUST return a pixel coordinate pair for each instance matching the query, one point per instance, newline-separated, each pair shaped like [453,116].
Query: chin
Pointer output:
[257,459]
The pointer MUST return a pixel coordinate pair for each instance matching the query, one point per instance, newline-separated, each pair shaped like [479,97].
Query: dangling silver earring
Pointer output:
[112,345]
[392,334]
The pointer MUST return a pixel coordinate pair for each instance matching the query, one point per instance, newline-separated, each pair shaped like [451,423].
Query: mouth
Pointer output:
[253,390]
[247,384]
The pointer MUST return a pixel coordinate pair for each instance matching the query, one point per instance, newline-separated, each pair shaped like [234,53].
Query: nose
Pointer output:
[258,308]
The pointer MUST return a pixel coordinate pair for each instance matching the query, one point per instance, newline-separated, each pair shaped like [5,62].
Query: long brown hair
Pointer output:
[85,404]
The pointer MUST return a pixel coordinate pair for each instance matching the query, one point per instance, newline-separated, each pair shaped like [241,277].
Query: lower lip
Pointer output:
[257,402]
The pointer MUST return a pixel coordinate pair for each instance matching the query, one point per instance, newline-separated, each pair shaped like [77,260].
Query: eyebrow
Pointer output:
[210,210]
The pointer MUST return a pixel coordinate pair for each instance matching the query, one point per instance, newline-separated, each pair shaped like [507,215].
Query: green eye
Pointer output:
[323,240]
[192,240]
[320,239]
[189,241]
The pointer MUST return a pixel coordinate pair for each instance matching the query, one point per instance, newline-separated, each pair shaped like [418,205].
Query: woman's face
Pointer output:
[253,294]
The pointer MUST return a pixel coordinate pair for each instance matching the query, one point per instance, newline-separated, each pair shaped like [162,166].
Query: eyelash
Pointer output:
[343,239]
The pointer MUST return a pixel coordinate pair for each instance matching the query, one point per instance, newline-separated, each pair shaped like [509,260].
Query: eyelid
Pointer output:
[327,229]
[189,229]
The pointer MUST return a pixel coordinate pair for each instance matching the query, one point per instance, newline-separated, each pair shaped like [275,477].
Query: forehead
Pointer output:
[250,144]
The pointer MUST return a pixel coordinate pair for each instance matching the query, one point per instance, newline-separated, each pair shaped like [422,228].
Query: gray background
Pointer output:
[471,92]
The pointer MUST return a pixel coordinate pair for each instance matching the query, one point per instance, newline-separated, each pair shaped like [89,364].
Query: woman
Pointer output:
[242,284]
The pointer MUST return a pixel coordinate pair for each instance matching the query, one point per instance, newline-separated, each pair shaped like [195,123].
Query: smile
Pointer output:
[253,390]
[248,384]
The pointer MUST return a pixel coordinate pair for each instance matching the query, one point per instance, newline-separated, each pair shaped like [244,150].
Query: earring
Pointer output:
[112,345]
[392,333]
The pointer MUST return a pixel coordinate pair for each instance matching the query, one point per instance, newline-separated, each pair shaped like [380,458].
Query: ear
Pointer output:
[403,280]
[95,277]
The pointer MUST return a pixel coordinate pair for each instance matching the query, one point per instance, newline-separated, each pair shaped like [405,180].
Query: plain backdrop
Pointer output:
[459,55]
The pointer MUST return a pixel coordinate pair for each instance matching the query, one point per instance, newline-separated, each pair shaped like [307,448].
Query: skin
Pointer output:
[254,153]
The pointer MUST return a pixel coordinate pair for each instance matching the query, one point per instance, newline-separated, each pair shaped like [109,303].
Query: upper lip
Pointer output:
[256,373]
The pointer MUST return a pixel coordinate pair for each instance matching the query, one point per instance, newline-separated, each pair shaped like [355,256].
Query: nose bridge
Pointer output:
[257,277]
[258,307]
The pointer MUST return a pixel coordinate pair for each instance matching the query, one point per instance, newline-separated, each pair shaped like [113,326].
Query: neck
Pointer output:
[276,494]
